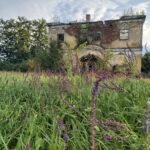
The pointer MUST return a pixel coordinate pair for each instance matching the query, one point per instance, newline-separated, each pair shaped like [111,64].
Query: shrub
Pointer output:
[21,67]
[50,58]
[146,63]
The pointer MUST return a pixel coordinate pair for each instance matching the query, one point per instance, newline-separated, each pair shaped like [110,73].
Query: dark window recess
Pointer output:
[97,36]
[60,37]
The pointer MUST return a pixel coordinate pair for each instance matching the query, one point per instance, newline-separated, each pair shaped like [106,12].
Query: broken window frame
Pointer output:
[61,37]
[124,34]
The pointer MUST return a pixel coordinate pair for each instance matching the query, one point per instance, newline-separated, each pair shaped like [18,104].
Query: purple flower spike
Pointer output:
[95,88]
[65,137]
[108,138]
[27,147]
[101,77]
[59,126]
[146,127]
[104,76]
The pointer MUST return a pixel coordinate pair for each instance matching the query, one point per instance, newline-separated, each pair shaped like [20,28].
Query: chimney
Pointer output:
[88,18]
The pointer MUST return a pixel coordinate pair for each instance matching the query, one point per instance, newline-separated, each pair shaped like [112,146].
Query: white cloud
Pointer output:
[76,10]
[69,10]
[122,1]
[144,6]
[146,34]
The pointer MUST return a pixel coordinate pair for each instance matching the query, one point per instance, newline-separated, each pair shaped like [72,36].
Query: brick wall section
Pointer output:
[109,31]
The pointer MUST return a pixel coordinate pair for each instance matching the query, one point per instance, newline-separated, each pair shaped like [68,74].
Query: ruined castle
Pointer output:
[121,36]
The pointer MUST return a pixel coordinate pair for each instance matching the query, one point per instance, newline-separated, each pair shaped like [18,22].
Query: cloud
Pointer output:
[76,10]
[122,1]
[65,10]
[70,10]
[144,6]
[146,34]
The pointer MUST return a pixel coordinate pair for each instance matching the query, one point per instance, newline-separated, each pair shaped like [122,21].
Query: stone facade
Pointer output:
[120,36]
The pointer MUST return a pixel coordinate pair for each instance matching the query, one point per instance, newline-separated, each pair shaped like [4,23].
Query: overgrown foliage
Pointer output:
[146,63]
[22,42]
[52,112]
[50,58]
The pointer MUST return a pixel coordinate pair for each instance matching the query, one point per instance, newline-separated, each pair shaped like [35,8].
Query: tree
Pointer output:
[50,58]
[23,43]
[146,63]
[20,38]
[1,39]
[39,36]
[15,39]
[8,40]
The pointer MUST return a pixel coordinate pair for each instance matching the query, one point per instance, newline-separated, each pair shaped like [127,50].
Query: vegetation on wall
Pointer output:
[94,31]
[24,44]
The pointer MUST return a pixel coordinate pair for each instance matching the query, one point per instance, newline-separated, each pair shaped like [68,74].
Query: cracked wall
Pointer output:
[105,35]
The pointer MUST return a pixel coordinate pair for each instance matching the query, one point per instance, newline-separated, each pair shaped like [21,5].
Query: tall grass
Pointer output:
[31,107]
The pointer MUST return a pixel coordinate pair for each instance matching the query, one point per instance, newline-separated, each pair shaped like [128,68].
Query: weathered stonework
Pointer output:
[118,35]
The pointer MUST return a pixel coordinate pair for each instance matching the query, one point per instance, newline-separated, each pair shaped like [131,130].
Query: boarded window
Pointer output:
[60,37]
[124,34]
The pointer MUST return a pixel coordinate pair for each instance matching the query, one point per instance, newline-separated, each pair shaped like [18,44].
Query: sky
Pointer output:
[75,10]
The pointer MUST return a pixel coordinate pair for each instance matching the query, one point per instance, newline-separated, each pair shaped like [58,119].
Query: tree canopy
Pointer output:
[24,43]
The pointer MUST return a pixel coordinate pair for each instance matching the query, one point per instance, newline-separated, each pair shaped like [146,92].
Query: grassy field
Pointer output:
[51,112]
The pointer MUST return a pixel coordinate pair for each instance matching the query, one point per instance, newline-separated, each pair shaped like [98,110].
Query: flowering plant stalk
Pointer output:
[92,119]
[102,77]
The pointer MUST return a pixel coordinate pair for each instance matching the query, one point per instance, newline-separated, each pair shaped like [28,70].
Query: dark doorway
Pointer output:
[89,63]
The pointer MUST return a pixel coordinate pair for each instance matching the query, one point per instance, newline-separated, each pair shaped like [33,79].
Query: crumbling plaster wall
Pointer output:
[55,30]
[135,35]
[110,33]
[110,37]
[119,59]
